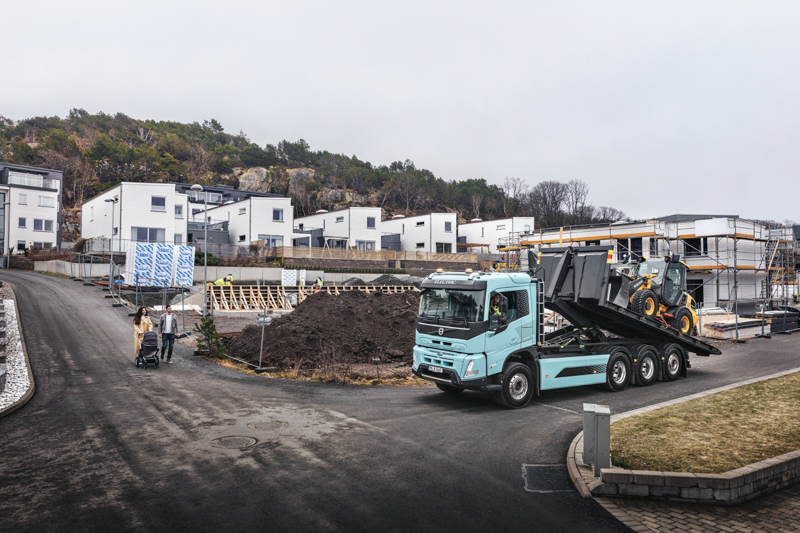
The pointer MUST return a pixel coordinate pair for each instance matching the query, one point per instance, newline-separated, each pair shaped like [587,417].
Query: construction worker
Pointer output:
[227,280]
[318,285]
[494,308]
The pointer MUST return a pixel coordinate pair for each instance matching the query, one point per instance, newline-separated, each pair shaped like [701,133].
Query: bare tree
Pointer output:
[575,195]
[546,202]
[201,161]
[608,214]
[476,200]
[514,190]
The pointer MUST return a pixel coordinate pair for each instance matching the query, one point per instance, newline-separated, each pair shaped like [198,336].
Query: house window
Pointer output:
[115,231]
[481,231]
[178,238]
[371,222]
[241,238]
[22,222]
[339,219]
[178,211]
[158,203]
[501,226]
[695,247]
[271,240]
[653,248]
[148,234]
[43,245]
[365,245]
[448,227]
[23,199]
[403,229]
[48,225]
[91,214]
[444,248]
[527,228]
[277,215]
[46,201]
[420,223]
[420,245]
[300,227]
[20,245]
[42,225]
[242,210]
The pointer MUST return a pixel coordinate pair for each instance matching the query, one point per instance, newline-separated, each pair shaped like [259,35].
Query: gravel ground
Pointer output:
[17,380]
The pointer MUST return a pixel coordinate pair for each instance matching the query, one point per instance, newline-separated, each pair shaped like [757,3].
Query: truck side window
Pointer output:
[511,314]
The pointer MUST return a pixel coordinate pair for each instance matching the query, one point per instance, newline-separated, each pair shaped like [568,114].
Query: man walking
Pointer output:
[167,327]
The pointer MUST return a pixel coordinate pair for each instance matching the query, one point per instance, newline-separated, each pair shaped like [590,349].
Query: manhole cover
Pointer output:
[233,442]
[267,425]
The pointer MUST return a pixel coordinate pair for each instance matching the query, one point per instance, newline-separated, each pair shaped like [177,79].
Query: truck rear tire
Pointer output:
[671,361]
[449,389]
[517,388]
[618,371]
[646,364]
[645,303]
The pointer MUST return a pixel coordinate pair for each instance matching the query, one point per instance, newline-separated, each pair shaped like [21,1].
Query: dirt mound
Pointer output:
[327,330]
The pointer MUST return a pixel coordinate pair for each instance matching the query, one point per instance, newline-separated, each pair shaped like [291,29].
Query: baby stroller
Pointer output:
[148,350]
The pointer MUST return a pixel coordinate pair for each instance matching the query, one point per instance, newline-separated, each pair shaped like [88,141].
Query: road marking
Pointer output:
[559,408]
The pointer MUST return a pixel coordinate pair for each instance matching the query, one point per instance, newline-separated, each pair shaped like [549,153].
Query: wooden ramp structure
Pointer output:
[280,297]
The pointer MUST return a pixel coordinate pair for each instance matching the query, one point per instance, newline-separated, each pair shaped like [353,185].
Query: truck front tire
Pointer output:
[517,388]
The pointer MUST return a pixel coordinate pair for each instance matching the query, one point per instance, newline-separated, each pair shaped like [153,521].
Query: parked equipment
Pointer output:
[485,331]
[658,290]
[148,350]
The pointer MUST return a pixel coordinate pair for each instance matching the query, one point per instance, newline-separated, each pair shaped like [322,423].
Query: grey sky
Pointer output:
[662,107]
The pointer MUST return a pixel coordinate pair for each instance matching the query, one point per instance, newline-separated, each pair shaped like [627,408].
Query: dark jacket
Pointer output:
[162,322]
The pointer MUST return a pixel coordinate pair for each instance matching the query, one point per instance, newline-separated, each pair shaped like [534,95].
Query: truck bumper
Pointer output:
[450,377]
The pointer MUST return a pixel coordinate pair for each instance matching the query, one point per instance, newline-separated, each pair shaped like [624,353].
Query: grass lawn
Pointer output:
[714,434]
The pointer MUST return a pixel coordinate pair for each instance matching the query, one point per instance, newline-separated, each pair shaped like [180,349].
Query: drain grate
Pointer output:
[267,425]
[233,442]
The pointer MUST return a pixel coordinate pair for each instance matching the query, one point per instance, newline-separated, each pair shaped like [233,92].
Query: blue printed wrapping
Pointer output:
[162,265]
[143,263]
[184,266]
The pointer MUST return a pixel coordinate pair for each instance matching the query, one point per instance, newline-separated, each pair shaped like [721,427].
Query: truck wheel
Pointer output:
[646,364]
[645,303]
[449,389]
[618,372]
[671,355]
[682,321]
[517,387]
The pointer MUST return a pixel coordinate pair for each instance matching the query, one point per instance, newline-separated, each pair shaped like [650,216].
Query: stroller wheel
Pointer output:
[136,360]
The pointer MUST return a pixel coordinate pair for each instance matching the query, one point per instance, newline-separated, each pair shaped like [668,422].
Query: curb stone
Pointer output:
[32,389]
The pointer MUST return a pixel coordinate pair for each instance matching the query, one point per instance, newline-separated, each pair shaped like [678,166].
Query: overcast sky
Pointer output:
[661,107]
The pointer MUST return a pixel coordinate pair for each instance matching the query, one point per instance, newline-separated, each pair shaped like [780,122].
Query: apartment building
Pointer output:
[485,235]
[728,257]
[161,212]
[354,227]
[270,219]
[434,232]
[30,206]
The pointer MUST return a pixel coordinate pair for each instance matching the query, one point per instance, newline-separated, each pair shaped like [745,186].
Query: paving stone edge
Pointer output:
[32,389]
[729,488]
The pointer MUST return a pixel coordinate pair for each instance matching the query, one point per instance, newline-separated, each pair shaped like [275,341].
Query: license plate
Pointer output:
[435,369]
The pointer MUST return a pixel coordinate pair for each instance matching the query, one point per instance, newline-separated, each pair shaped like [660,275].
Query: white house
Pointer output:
[269,219]
[142,212]
[33,214]
[434,232]
[354,227]
[489,233]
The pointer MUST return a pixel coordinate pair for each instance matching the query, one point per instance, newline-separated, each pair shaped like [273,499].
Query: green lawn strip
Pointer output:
[713,434]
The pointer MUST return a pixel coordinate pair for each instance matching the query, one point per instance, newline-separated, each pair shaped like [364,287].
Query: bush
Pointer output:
[211,260]
[209,342]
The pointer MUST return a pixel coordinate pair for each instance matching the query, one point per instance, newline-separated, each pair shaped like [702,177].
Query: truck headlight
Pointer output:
[469,373]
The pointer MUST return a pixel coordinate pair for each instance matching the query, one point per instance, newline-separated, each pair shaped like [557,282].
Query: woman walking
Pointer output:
[141,324]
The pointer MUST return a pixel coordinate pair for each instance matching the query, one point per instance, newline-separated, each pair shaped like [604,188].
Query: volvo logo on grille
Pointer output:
[441,331]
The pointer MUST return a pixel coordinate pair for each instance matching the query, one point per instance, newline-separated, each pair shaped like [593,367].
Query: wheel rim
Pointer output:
[684,324]
[518,386]
[648,368]
[649,305]
[619,372]
[673,364]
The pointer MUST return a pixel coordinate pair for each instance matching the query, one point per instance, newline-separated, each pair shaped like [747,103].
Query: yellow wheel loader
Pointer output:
[658,290]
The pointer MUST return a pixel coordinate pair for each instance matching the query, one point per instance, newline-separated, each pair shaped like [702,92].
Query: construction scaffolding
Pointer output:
[281,297]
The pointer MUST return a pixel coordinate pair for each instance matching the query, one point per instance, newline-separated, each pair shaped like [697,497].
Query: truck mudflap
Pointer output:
[450,377]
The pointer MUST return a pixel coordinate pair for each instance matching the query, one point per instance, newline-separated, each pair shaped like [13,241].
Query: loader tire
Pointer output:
[645,303]
[682,321]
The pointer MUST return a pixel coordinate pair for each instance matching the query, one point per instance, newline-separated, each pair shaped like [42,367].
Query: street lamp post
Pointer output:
[197,188]
[7,238]
[111,240]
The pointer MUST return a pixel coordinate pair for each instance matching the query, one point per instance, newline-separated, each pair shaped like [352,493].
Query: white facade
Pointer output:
[489,233]
[435,232]
[268,219]
[143,212]
[33,216]
[355,227]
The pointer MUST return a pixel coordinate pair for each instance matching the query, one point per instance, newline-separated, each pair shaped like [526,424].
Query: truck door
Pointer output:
[506,338]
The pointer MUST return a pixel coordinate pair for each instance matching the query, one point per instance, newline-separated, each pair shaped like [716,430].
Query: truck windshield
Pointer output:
[452,304]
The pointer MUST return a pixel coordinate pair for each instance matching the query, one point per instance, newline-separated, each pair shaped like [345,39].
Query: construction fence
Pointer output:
[280,297]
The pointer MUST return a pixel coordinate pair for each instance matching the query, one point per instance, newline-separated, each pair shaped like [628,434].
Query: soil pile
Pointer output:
[329,331]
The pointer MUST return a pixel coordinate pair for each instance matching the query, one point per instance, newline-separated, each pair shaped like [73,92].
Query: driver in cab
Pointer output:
[494,308]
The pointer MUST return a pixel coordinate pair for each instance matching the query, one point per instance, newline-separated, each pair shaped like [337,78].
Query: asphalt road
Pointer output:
[106,446]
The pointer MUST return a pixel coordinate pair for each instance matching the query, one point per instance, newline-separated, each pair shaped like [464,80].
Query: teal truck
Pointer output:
[484,331]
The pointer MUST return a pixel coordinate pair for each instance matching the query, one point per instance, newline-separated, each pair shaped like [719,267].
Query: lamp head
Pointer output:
[196,187]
